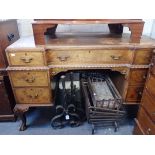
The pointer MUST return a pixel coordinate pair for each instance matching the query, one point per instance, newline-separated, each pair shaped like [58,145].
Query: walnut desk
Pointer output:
[32,67]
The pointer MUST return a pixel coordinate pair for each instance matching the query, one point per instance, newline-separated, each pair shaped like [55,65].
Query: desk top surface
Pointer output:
[85,41]
[86,21]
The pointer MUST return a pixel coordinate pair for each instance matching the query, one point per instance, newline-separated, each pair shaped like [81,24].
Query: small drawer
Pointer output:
[134,93]
[142,57]
[87,57]
[27,58]
[33,95]
[150,84]
[138,76]
[149,104]
[29,78]
[145,122]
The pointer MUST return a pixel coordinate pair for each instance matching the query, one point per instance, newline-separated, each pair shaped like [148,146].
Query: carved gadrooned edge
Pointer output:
[27,68]
[99,66]
[140,66]
[78,67]
[123,69]
[88,66]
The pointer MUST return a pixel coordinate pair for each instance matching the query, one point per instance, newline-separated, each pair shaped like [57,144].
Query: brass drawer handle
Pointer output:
[26,59]
[148,131]
[116,57]
[63,58]
[30,80]
[33,96]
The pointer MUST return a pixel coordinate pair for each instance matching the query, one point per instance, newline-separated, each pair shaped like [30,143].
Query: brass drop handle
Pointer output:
[30,80]
[148,131]
[63,58]
[33,96]
[114,57]
[26,59]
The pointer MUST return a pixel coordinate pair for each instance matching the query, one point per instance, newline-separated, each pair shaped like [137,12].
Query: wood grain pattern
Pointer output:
[33,95]
[147,125]
[150,84]
[134,93]
[137,76]
[29,78]
[66,41]
[40,27]
[142,56]
[24,58]
[138,129]
[86,21]
[148,103]
[146,114]
[89,57]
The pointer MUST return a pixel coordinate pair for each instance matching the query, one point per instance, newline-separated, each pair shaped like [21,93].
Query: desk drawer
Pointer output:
[150,84]
[142,57]
[29,78]
[33,95]
[134,93]
[147,125]
[149,104]
[89,57]
[21,58]
[138,76]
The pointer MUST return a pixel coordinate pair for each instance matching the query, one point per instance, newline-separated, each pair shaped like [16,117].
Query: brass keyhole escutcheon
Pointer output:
[29,78]
[26,58]
[63,58]
[114,57]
